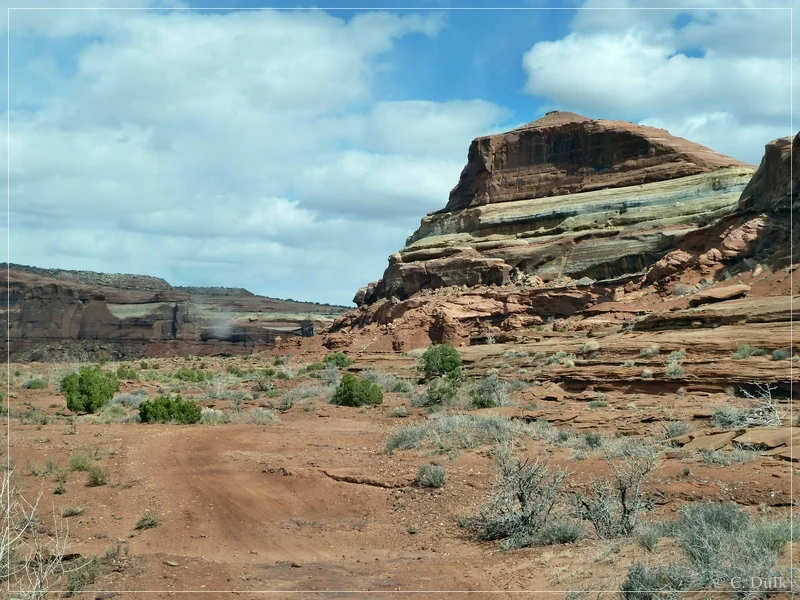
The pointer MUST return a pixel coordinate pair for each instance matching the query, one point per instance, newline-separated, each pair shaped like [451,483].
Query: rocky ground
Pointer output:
[313,501]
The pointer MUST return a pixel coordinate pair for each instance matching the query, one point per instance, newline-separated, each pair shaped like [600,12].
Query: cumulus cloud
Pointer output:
[720,77]
[248,148]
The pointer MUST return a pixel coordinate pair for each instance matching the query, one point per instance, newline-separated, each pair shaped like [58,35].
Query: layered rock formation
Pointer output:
[565,197]
[55,315]
[529,239]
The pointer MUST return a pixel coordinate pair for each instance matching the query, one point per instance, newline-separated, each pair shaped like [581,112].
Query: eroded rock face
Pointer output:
[651,255]
[565,197]
[65,315]
[565,153]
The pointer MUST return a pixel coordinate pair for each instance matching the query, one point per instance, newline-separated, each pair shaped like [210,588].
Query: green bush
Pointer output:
[781,354]
[338,359]
[167,409]
[89,389]
[440,359]
[126,372]
[97,476]
[193,375]
[745,351]
[235,371]
[354,391]
[147,521]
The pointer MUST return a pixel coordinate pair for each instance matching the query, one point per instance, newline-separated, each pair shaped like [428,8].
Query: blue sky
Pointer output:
[291,152]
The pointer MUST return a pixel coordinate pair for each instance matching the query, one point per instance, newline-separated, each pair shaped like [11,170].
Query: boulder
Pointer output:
[719,294]
[715,441]
[766,437]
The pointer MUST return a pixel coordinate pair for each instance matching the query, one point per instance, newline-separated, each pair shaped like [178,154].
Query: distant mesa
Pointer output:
[57,315]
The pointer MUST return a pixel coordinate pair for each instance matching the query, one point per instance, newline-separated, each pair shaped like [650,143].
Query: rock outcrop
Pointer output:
[58,315]
[564,153]
[525,243]
[565,197]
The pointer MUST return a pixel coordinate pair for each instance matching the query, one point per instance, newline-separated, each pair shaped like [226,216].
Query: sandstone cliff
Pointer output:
[533,241]
[62,315]
[565,197]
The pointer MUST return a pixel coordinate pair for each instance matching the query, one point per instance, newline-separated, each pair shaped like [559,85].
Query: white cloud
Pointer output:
[243,149]
[722,78]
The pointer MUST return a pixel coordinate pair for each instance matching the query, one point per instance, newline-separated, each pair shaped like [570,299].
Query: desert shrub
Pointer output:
[598,403]
[167,409]
[354,391]
[673,368]
[89,389]
[191,375]
[561,531]
[647,374]
[762,411]
[489,391]
[96,476]
[212,416]
[284,373]
[523,498]
[431,475]
[730,417]
[399,412]
[313,367]
[650,351]
[656,582]
[235,371]
[79,462]
[263,384]
[781,354]
[593,440]
[440,359]
[147,521]
[737,456]
[453,432]
[82,575]
[725,545]
[331,375]
[388,382]
[126,372]
[112,413]
[673,429]
[649,537]
[677,355]
[440,392]
[629,363]
[303,392]
[745,350]
[338,359]
[37,383]
[133,399]
[72,511]
[613,507]
[589,347]
[257,416]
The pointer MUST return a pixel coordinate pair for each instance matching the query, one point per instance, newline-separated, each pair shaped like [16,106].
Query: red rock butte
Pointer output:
[566,153]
